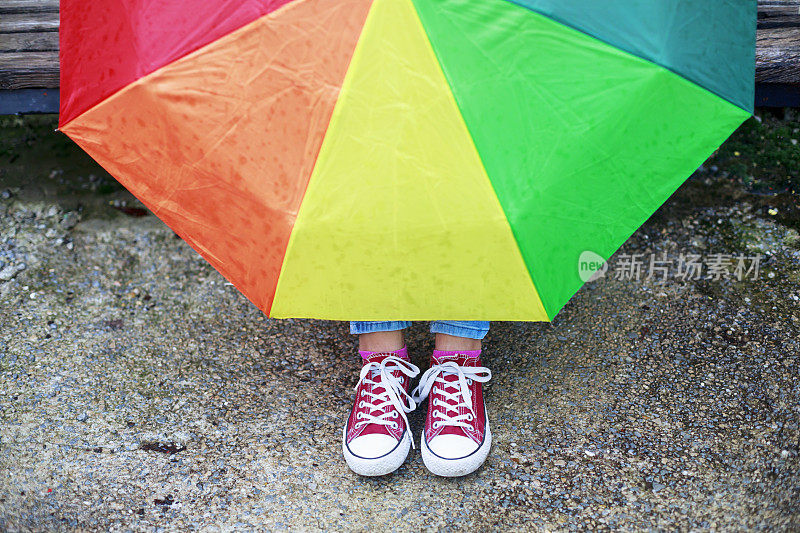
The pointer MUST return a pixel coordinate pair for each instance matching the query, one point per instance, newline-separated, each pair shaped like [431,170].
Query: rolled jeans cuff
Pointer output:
[357,328]
[461,328]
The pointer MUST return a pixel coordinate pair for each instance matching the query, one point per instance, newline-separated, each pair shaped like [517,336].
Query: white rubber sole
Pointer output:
[379,466]
[456,467]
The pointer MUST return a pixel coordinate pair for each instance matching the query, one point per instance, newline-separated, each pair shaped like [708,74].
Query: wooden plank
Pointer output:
[778,42]
[28,6]
[778,5]
[29,42]
[29,79]
[23,70]
[778,15]
[782,21]
[28,22]
[31,25]
[778,65]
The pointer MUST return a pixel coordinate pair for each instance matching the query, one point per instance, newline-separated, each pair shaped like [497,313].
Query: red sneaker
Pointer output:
[456,439]
[376,439]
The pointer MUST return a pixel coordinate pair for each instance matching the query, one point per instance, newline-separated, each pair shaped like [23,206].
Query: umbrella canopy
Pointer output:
[404,159]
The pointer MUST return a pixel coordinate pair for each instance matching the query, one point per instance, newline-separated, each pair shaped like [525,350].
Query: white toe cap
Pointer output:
[452,446]
[372,445]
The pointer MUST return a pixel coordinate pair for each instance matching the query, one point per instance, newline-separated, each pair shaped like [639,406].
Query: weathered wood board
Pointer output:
[778,42]
[29,44]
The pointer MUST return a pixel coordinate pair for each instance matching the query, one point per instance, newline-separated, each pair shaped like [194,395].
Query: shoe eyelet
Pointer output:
[358,416]
[435,425]
[395,425]
[471,417]
[469,381]
[361,404]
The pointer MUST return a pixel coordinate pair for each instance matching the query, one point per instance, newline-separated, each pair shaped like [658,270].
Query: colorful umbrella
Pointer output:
[404,159]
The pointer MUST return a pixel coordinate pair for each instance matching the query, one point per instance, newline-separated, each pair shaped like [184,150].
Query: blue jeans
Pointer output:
[457,328]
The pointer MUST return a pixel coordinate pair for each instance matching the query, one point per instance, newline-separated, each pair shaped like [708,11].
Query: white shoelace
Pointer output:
[393,393]
[455,391]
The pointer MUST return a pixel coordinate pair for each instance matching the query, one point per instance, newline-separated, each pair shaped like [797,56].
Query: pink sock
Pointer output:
[450,353]
[402,353]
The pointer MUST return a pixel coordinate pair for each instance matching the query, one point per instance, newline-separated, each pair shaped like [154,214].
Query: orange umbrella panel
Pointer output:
[220,144]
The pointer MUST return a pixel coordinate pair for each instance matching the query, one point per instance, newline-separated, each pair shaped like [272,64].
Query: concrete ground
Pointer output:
[140,391]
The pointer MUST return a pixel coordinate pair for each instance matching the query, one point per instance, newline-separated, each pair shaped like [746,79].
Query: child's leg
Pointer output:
[459,334]
[383,336]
